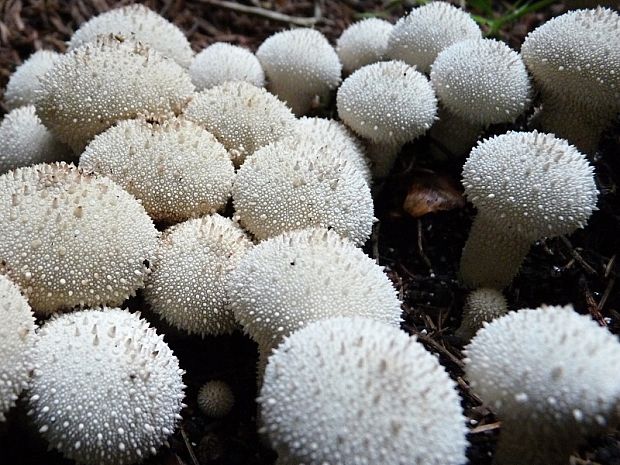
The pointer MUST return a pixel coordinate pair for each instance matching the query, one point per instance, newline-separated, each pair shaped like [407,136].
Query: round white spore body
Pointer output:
[482,305]
[363,43]
[216,399]
[22,87]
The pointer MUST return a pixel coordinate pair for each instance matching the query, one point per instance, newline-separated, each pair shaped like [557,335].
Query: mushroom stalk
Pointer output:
[516,448]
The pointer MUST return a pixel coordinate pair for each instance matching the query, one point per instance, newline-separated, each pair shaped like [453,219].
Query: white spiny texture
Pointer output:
[357,391]
[107,389]
[111,79]
[25,80]
[222,62]
[25,141]
[216,399]
[177,168]
[243,117]
[17,338]
[484,304]
[363,43]
[68,238]
[550,375]
[140,24]
[286,186]
[483,81]
[420,36]
[301,67]
[187,285]
[526,186]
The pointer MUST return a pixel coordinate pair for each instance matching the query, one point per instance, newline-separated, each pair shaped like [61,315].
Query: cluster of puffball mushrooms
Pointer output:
[162,135]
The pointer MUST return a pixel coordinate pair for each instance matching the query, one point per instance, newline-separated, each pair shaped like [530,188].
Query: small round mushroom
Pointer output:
[23,84]
[550,375]
[222,62]
[107,389]
[216,399]
[481,305]
[301,67]
[363,43]
[357,391]
[418,37]
[525,185]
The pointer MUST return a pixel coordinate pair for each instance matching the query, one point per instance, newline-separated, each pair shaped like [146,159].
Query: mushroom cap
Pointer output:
[100,83]
[187,283]
[291,280]
[300,65]
[363,43]
[141,24]
[222,62]
[484,304]
[25,141]
[482,81]
[177,169]
[17,338]
[216,399]
[418,37]
[23,84]
[285,186]
[532,182]
[69,238]
[243,117]
[107,389]
[365,393]
[387,102]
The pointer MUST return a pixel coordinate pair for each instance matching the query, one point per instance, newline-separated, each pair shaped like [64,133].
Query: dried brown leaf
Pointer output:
[431,192]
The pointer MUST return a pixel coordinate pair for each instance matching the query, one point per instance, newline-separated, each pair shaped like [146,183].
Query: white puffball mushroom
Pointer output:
[354,390]
[111,79]
[221,62]
[187,283]
[481,305]
[177,169]
[17,338]
[550,375]
[216,399]
[301,67]
[68,238]
[525,185]
[363,43]
[141,24]
[25,80]
[420,36]
[25,141]
[454,135]
[241,116]
[107,389]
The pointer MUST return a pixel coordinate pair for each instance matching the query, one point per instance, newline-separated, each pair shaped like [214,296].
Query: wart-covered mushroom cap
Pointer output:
[363,43]
[22,87]
[215,399]
[482,305]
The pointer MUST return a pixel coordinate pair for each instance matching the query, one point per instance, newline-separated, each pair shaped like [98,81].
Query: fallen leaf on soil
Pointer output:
[430,192]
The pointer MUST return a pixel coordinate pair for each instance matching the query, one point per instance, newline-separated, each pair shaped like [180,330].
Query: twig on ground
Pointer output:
[421,249]
[585,265]
[436,345]
[189,447]
[487,427]
[269,14]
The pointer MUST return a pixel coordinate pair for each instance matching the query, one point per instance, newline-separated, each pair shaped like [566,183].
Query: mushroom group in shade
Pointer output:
[363,43]
[21,90]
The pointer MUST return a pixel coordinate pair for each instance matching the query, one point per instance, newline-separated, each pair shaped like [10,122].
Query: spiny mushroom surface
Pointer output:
[216,399]
[111,79]
[357,391]
[481,305]
[525,185]
[363,43]
[222,62]
[550,375]
[177,169]
[25,141]
[107,389]
[243,117]
[17,338]
[418,37]
[187,285]
[69,238]
[301,67]
[139,23]
[24,82]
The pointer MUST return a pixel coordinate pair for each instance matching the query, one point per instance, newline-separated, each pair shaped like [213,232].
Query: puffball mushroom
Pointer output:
[25,80]
[550,375]
[525,185]
[301,67]
[68,238]
[111,79]
[216,399]
[243,117]
[222,62]
[418,37]
[25,141]
[363,43]
[107,389]
[141,24]
[354,390]
[482,305]
[177,168]
[187,284]
[17,338]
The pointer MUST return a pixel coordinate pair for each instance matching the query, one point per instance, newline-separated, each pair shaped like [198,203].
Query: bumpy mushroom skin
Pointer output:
[354,390]
[107,389]
[22,86]
[216,399]
[481,305]
[550,375]
[363,43]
